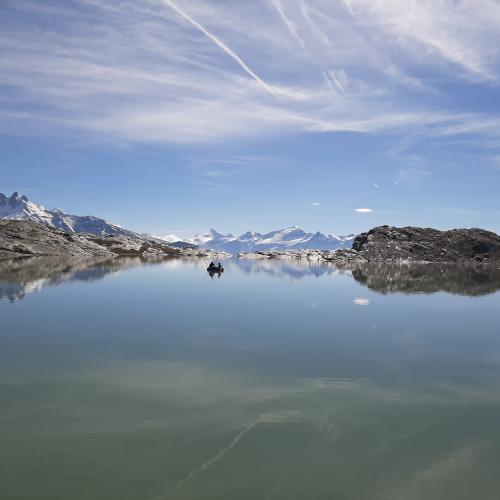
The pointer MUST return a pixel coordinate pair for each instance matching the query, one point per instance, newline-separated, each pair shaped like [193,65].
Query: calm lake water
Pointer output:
[151,381]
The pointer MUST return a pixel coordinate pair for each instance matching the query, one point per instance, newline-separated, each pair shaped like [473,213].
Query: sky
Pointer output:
[173,116]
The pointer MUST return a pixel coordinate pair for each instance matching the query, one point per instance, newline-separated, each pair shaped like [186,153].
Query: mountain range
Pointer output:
[19,207]
[289,238]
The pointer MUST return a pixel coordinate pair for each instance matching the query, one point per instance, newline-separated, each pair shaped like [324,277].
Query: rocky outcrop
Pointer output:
[406,244]
[20,238]
[414,244]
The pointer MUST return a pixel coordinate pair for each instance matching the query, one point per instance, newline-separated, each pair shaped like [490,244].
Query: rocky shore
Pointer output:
[20,238]
[381,244]
[406,244]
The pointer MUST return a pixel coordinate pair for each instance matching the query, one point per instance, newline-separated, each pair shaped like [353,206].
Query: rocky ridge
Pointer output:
[21,238]
[389,244]
[19,207]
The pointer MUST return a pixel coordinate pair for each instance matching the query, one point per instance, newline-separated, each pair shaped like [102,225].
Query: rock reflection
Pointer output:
[387,277]
[19,277]
[428,278]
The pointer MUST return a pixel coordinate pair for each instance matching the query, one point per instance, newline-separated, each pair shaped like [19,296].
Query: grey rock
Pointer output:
[25,238]
[415,244]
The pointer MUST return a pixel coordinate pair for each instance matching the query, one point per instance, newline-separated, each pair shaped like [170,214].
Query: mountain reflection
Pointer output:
[20,277]
[388,278]
[285,268]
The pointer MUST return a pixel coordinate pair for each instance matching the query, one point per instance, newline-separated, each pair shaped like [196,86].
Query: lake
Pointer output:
[152,380]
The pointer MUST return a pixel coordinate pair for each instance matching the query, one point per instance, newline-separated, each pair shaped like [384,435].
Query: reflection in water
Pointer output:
[271,383]
[428,278]
[284,268]
[361,302]
[19,277]
[390,277]
[214,272]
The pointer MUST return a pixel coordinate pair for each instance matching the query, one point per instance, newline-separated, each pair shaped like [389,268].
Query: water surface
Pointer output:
[133,380]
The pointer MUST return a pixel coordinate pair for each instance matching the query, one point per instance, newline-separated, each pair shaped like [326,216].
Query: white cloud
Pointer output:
[292,28]
[464,33]
[361,301]
[316,204]
[363,210]
[228,50]
[202,71]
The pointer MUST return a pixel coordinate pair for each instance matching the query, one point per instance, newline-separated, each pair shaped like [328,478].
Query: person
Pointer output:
[211,265]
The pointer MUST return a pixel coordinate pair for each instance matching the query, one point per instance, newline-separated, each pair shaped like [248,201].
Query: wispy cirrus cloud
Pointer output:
[291,26]
[189,72]
[228,50]
[463,33]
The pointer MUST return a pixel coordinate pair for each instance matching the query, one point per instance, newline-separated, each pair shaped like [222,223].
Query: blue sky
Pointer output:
[175,116]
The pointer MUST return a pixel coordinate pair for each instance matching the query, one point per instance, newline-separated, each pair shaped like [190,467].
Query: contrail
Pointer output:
[329,83]
[289,24]
[218,456]
[228,50]
[313,25]
[334,82]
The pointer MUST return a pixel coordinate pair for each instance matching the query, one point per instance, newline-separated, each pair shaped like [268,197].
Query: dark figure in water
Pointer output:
[214,270]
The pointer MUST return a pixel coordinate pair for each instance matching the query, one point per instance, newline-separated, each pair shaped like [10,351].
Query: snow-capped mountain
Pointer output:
[20,207]
[282,239]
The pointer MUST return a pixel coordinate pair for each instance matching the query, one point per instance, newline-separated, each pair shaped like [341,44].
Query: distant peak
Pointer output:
[15,198]
[292,229]
[213,232]
[250,234]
